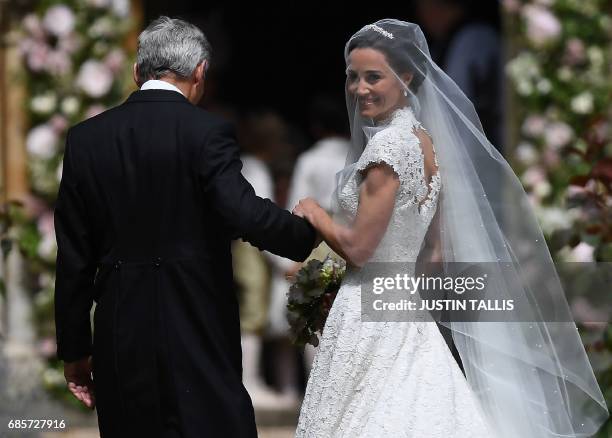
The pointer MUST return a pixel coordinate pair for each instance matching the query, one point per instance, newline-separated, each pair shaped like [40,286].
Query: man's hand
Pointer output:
[80,383]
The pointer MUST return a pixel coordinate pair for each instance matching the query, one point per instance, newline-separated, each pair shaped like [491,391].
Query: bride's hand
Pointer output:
[307,208]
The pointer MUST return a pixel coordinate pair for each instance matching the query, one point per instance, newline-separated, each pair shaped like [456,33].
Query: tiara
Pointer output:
[380,30]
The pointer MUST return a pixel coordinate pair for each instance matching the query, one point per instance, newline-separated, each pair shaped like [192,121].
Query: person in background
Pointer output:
[260,135]
[469,50]
[313,176]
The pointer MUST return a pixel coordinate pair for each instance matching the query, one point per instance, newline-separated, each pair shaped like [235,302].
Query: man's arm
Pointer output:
[256,220]
[75,268]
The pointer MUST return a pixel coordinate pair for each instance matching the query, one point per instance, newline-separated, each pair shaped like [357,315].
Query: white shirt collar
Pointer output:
[155,84]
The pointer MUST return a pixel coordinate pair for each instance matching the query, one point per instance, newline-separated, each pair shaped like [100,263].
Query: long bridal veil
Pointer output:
[528,368]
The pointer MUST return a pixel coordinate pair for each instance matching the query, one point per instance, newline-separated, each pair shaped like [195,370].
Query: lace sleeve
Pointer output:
[386,147]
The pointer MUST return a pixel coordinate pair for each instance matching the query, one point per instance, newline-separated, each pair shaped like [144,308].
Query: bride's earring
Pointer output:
[405,93]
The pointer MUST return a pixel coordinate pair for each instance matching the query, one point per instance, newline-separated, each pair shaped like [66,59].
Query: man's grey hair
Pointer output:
[170,46]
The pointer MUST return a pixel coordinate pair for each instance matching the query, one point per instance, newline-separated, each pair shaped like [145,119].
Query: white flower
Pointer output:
[121,8]
[37,53]
[596,56]
[542,189]
[554,218]
[544,86]
[70,105]
[31,23]
[59,20]
[94,78]
[558,134]
[583,103]
[565,74]
[583,252]
[43,103]
[42,142]
[526,153]
[542,25]
[102,27]
[47,248]
[533,176]
[534,125]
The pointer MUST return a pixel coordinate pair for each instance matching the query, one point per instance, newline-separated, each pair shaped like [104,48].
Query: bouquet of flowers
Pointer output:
[310,297]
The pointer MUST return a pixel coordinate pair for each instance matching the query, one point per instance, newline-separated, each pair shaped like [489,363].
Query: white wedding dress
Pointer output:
[389,379]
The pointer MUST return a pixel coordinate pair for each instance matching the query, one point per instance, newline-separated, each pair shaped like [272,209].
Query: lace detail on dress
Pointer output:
[388,379]
[399,146]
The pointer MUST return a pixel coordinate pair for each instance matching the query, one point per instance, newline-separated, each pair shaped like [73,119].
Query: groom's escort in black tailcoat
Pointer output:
[150,198]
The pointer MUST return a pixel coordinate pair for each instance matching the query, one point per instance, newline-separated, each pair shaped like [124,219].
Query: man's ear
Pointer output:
[200,72]
[135,75]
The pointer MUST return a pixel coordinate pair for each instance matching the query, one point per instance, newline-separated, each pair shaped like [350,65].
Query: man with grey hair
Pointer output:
[151,196]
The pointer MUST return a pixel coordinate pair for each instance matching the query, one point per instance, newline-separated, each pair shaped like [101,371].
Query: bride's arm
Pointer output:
[357,242]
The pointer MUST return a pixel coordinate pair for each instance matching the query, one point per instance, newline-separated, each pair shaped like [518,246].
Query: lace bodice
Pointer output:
[397,145]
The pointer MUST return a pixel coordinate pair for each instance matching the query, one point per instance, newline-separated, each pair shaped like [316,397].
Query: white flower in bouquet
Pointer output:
[534,125]
[43,104]
[41,142]
[59,20]
[583,103]
[526,154]
[542,25]
[94,78]
[70,105]
[558,134]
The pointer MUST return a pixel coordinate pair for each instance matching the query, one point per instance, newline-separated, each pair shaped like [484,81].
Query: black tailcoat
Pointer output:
[150,198]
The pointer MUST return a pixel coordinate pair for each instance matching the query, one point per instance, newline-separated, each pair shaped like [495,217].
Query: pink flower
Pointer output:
[575,52]
[558,135]
[58,63]
[59,123]
[31,23]
[94,78]
[534,125]
[94,110]
[542,25]
[37,56]
[42,141]
[115,60]
[551,158]
[45,223]
[34,207]
[47,347]
[59,20]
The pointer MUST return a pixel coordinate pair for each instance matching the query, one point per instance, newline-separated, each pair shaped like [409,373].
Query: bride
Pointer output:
[422,182]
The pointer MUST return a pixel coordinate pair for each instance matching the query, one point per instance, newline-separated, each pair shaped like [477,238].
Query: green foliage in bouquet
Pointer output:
[311,296]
